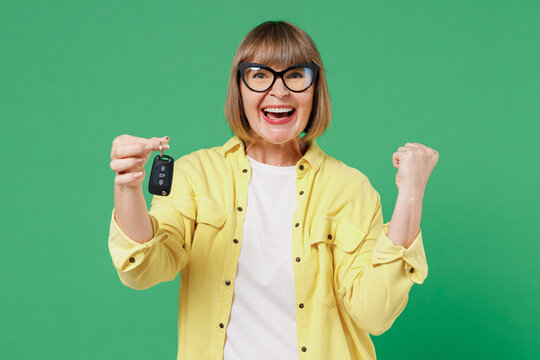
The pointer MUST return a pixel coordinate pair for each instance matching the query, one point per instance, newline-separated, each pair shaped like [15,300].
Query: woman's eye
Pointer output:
[296,75]
[259,75]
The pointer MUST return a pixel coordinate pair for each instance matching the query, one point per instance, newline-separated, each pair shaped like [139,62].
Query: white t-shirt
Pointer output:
[262,324]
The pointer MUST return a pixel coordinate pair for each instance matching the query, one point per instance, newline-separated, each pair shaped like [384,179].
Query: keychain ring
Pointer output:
[160,149]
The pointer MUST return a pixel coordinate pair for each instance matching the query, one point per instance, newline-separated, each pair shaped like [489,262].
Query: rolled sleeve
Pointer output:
[143,265]
[375,288]
[414,256]
[127,253]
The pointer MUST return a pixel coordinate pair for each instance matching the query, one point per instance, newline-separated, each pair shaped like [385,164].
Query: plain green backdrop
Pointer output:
[461,77]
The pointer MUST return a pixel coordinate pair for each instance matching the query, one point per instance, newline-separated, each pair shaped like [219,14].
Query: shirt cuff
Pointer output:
[414,256]
[127,253]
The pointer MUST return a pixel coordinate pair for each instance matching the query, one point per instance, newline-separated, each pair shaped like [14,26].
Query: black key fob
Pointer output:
[161,175]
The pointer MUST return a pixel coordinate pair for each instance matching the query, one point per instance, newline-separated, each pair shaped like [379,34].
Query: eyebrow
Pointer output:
[274,68]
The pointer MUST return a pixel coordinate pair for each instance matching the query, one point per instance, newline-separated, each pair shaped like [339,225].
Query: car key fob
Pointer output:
[161,175]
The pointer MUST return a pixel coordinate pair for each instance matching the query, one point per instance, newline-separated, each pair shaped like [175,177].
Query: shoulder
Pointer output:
[201,161]
[340,175]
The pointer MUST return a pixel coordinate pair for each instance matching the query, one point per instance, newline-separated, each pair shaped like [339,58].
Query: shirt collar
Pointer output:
[313,156]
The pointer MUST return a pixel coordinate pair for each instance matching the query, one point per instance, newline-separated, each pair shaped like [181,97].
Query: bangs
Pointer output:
[277,46]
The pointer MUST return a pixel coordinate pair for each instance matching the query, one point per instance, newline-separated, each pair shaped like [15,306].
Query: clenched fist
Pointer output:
[129,154]
[414,162]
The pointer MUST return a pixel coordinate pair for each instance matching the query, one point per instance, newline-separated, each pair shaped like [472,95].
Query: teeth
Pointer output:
[278,110]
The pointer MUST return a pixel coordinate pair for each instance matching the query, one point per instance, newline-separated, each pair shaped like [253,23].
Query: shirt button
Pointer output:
[221,325]
[297,259]
[131,260]
[304,349]
[411,270]
[329,236]
[296,225]
[235,241]
[301,306]
[239,208]
[244,170]
[301,192]
[301,167]
[227,283]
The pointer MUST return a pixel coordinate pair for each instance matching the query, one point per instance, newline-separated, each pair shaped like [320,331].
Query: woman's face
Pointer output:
[270,127]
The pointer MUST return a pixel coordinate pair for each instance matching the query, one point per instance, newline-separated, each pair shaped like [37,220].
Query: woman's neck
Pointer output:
[286,154]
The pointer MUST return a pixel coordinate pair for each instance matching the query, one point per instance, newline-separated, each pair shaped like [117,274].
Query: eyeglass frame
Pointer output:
[278,74]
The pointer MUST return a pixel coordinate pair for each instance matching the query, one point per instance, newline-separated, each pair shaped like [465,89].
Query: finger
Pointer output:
[127,178]
[135,150]
[132,149]
[122,139]
[120,165]
[136,168]
[395,160]
[152,144]
[155,146]
[414,144]
[128,139]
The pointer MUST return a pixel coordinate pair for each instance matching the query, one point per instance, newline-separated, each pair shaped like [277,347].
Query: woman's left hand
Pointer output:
[414,162]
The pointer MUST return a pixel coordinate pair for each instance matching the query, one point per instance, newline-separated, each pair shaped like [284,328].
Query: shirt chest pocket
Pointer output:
[210,219]
[333,242]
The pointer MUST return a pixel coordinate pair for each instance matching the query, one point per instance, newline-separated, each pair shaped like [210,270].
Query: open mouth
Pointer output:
[278,113]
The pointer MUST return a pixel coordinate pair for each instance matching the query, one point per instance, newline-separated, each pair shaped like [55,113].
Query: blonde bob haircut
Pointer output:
[278,43]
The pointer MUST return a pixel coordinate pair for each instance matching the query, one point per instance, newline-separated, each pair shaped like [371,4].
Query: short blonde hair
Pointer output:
[278,43]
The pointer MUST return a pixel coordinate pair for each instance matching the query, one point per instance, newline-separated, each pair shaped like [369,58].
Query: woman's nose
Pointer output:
[279,89]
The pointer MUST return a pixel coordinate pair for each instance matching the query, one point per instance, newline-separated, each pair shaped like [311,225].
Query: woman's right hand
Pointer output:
[129,154]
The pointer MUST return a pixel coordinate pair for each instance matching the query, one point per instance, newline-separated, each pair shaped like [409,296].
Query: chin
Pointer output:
[279,137]
[276,134]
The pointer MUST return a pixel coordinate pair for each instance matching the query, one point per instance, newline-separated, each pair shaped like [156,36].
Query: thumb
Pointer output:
[154,142]
[395,160]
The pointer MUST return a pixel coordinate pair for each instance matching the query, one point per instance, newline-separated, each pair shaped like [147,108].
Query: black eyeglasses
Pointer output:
[260,78]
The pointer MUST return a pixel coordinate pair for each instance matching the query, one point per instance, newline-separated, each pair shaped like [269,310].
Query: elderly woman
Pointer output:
[282,249]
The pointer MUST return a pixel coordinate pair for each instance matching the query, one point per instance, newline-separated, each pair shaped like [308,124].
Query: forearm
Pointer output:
[131,213]
[148,255]
[405,223]
[375,286]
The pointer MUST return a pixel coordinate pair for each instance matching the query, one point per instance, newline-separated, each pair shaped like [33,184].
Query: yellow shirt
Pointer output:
[350,279]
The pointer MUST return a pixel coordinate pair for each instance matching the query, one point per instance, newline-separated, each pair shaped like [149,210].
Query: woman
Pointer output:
[282,249]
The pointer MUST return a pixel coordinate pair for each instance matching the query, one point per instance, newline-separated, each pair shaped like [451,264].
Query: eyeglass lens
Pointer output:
[297,79]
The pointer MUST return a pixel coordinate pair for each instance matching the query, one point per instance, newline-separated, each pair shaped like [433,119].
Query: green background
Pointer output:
[461,77]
